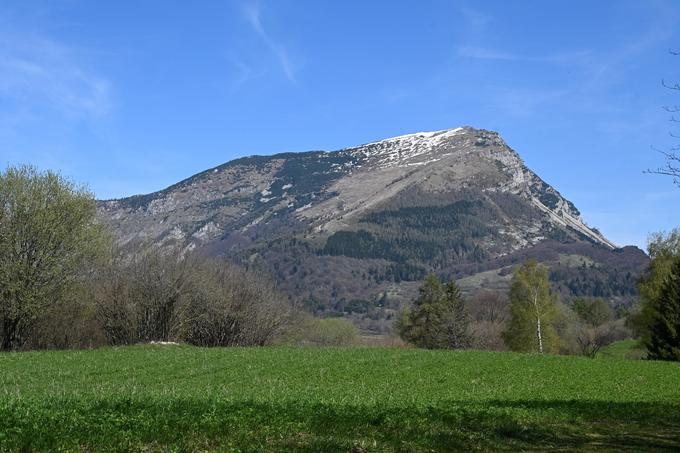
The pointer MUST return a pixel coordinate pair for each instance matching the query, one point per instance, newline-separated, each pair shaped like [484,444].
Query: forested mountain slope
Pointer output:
[354,230]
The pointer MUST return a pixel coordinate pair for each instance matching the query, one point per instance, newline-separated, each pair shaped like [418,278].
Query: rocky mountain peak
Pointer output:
[451,201]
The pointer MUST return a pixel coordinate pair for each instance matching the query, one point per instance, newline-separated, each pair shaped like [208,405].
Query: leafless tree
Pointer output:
[672,155]
[138,295]
[592,338]
[168,295]
[489,313]
[229,306]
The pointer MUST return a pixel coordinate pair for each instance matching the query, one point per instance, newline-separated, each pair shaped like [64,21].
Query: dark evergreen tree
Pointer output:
[438,319]
[664,342]
[663,249]
[455,319]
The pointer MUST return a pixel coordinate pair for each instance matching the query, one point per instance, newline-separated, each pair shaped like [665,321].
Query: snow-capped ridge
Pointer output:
[419,136]
[402,150]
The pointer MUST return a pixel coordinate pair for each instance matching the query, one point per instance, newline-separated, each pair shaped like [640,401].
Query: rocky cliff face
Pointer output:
[366,223]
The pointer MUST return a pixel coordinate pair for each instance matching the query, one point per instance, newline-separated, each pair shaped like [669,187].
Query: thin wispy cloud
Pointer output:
[475,20]
[601,68]
[594,73]
[244,72]
[253,15]
[37,73]
[480,53]
[576,57]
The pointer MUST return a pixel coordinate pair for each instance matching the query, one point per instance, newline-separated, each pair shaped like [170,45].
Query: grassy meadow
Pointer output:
[181,398]
[624,349]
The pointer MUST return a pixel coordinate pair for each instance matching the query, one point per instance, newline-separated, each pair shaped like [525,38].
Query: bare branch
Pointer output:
[675,86]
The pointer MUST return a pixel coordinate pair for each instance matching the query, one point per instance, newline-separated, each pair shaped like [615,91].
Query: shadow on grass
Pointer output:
[182,424]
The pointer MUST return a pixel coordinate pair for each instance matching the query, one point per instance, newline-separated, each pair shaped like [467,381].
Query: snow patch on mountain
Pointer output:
[404,149]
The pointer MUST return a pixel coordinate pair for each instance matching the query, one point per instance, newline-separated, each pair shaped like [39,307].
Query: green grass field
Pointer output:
[624,349]
[179,398]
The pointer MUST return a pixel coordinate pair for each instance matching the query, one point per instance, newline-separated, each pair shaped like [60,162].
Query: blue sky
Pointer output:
[132,96]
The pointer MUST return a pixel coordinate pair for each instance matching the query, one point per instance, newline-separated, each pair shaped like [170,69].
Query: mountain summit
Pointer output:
[368,222]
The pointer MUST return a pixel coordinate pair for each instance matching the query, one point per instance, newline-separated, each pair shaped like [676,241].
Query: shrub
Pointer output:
[327,332]
[169,296]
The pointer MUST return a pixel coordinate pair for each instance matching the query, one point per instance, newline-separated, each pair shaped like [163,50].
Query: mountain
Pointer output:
[353,231]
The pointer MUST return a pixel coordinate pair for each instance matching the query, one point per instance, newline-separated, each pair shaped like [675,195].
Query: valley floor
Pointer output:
[160,398]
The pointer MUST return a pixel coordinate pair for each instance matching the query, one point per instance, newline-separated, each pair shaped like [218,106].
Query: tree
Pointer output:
[455,321]
[595,312]
[672,165]
[533,311]
[595,328]
[231,306]
[48,234]
[489,313]
[438,319]
[138,296]
[664,342]
[169,295]
[663,249]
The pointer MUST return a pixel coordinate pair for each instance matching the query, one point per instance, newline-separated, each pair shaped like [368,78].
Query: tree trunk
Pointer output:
[10,337]
[538,322]
[538,334]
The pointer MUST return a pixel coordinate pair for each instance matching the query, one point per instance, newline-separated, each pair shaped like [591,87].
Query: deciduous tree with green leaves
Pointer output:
[48,233]
[594,311]
[438,319]
[533,311]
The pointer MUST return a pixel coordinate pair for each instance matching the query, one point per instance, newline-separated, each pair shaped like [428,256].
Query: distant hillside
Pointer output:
[355,230]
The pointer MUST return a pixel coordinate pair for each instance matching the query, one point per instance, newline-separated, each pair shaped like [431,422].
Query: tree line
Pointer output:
[532,319]
[65,284]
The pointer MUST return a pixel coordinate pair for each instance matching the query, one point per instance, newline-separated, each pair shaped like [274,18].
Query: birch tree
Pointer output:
[533,311]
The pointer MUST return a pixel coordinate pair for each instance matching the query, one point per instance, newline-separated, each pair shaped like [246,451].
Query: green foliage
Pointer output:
[595,312]
[360,244]
[533,311]
[422,235]
[48,232]
[663,250]
[438,319]
[328,332]
[358,306]
[664,341]
[622,350]
[313,171]
[398,272]
[177,398]
[595,281]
